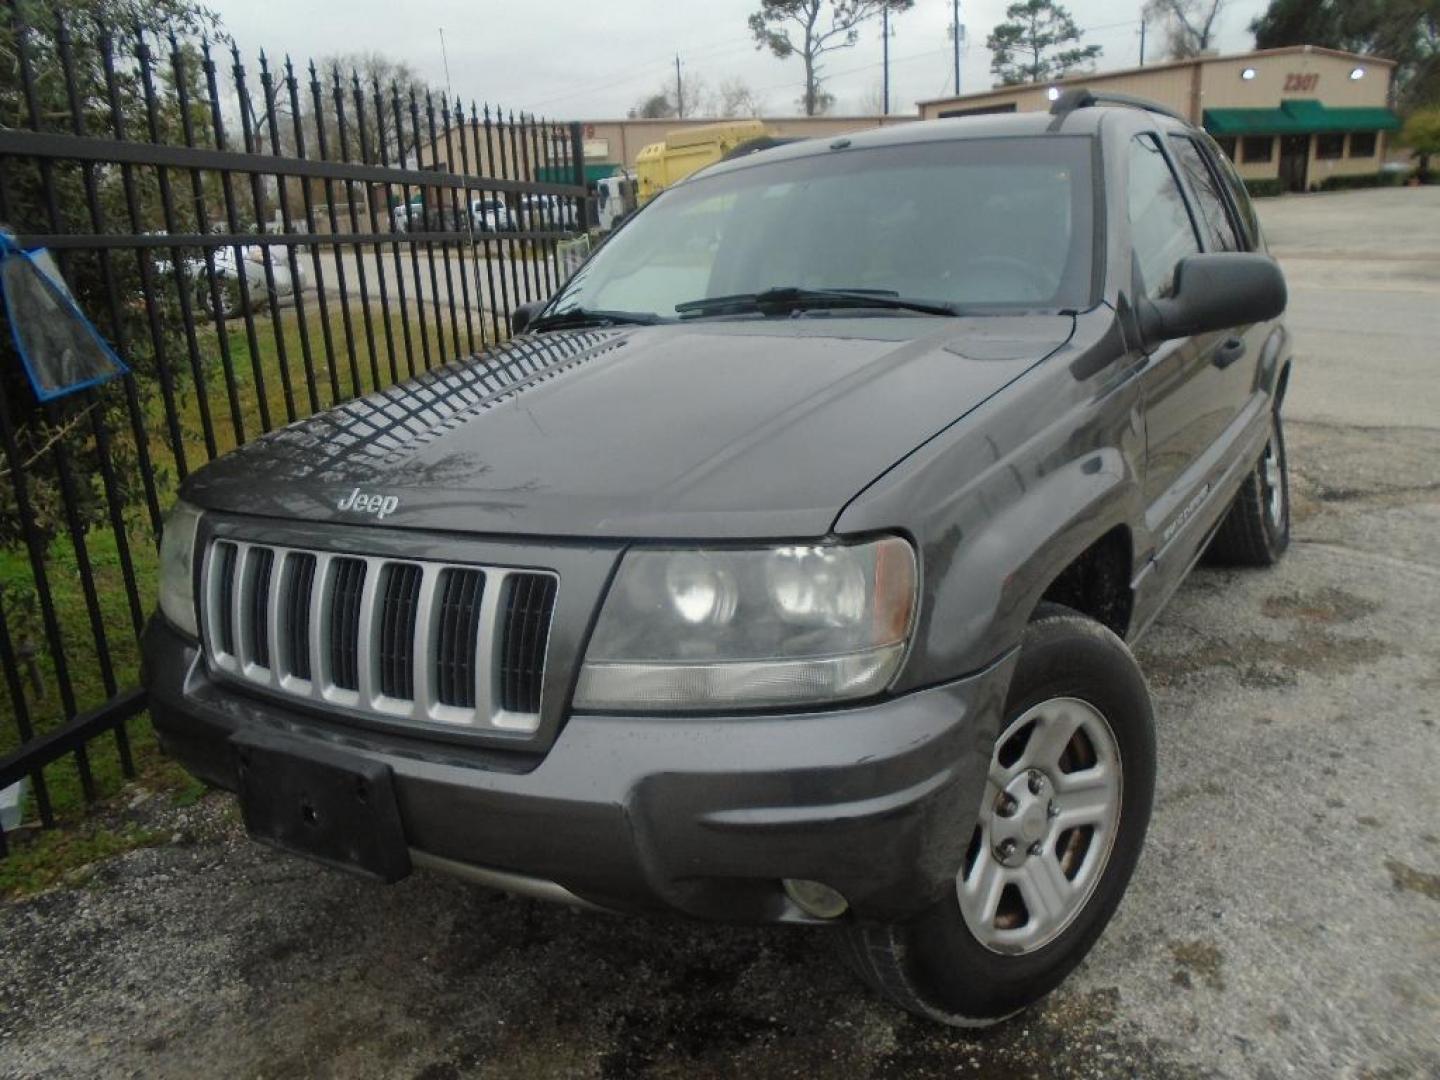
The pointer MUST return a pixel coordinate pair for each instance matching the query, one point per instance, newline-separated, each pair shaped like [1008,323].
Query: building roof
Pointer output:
[1300,116]
[1166,65]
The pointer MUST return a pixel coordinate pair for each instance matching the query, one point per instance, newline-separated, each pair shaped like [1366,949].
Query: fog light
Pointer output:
[815,898]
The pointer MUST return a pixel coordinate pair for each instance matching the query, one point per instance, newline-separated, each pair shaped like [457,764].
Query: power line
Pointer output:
[852,70]
[649,69]
[635,72]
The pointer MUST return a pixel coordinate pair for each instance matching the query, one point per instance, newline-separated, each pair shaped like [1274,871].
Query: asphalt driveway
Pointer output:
[1284,920]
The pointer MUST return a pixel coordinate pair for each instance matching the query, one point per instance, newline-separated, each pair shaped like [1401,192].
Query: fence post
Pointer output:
[584,218]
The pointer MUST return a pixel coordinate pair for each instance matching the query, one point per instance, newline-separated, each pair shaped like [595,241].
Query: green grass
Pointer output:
[46,859]
[53,856]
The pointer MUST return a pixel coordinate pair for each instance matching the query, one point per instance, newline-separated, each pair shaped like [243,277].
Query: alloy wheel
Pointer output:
[1046,826]
[1270,476]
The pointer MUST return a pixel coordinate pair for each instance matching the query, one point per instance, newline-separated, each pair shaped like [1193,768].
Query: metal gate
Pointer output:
[257,246]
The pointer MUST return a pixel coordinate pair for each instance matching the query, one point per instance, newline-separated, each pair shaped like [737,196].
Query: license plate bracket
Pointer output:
[321,802]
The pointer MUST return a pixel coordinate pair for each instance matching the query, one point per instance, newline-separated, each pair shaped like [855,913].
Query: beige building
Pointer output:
[1299,114]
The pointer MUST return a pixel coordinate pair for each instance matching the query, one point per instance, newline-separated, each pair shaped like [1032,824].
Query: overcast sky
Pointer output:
[566,59]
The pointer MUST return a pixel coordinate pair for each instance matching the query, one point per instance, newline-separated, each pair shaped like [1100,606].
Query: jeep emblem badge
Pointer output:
[382,506]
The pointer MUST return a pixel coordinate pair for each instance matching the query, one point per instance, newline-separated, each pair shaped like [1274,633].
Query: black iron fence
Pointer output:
[257,245]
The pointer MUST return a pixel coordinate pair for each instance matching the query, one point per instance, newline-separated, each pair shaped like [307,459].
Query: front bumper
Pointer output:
[703,815]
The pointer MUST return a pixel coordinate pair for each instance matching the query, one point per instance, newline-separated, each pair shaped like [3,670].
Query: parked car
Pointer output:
[784,567]
[540,212]
[615,199]
[407,216]
[440,218]
[491,215]
[231,298]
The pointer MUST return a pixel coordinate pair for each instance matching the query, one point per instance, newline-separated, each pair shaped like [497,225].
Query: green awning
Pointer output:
[1302,116]
[564,174]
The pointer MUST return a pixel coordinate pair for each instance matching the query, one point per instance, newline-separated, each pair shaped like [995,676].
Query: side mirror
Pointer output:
[521,316]
[1215,291]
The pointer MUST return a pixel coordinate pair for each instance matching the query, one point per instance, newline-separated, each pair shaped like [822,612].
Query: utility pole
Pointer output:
[955,30]
[885,34]
[679,91]
[1142,41]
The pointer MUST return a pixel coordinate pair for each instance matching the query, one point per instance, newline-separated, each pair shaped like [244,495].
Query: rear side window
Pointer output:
[1161,232]
[1219,232]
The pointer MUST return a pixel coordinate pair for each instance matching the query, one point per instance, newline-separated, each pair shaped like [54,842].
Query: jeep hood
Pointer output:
[762,428]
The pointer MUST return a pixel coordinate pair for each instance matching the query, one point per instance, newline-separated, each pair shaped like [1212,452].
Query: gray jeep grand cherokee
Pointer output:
[781,569]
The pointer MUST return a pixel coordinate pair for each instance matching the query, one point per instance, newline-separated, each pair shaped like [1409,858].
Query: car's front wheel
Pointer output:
[1051,851]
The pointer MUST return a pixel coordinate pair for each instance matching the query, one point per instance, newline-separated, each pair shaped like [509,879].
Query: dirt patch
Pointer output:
[1186,792]
[1261,662]
[1325,606]
[1408,879]
[1380,497]
[1197,959]
[1067,1037]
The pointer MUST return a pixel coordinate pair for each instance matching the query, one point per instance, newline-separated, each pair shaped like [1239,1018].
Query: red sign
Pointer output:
[1300,82]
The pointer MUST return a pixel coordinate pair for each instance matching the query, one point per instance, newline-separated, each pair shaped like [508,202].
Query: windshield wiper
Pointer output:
[579,316]
[787,298]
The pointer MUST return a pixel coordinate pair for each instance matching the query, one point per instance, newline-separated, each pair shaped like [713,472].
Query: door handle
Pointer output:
[1230,351]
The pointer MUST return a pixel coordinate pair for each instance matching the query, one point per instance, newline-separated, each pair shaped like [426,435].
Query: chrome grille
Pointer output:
[400,638]
[529,600]
[458,630]
[399,598]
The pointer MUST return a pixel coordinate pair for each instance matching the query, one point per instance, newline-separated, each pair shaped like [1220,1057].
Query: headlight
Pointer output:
[177,567]
[706,629]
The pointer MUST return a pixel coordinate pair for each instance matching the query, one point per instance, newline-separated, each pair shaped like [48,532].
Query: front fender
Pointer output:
[1002,502]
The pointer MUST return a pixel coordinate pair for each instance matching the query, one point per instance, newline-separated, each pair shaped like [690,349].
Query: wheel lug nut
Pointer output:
[1037,783]
[1052,811]
[1006,849]
[1035,848]
[1007,806]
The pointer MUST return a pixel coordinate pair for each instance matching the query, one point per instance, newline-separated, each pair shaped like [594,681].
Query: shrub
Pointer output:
[1261,188]
[1362,180]
[1422,135]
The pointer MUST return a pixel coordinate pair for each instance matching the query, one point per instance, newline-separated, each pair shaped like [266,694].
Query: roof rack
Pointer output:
[1081,97]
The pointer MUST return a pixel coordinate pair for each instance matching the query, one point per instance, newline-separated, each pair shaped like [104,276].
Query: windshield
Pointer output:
[977,223]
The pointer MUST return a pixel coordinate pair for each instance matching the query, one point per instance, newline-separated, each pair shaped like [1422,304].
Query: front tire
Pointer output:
[1056,839]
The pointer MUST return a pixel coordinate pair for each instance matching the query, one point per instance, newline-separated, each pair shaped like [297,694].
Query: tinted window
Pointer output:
[984,223]
[1331,145]
[1160,229]
[1219,233]
[1257,148]
[1362,144]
